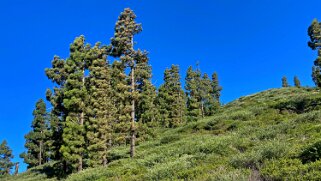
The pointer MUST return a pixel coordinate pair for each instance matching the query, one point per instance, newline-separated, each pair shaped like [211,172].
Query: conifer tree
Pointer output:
[123,46]
[75,94]
[37,139]
[147,112]
[314,32]
[178,107]
[120,100]
[101,109]
[202,94]
[216,88]
[163,100]
[171,99]
[5,158]
[208,103]
[58,75]
[285,82]
[297,82]
[192,87]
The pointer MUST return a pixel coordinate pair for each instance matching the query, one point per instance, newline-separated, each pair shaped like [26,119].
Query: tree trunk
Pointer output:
[80,164]
[104,160]
[202,108]
[40,153]
[7,171]
[82,111]
[16,168]
[132,126]
[81,122]
[109,143]
[180,108]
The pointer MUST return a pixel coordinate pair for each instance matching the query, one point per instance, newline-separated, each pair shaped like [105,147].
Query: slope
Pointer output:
[270,135]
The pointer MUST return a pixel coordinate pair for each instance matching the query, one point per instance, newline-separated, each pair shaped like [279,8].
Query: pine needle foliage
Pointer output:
[5,158]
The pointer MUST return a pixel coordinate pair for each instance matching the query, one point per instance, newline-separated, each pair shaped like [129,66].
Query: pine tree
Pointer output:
[123,46]
[37,139]
[202,94]
[163,100]
[5,158]
[192,87]
[285,82]
[75,94]
[179,106]
[216,88]
[58,75]
[147,112]
[101,109]
[314,32]
[209,103]
[121,101]
[171,99]
[315,75]
[297,82]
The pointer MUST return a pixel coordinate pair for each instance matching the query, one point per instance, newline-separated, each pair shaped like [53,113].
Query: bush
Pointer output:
[169,139]
[313,116]
[242,115]
[300,104]
[218,145]
[255,157]
[284,169]
[170,170]
[312,153]
[224,174]
[291,169]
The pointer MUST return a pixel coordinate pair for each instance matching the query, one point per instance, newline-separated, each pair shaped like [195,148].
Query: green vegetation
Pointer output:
[314,32]
[5,159]
[285,82]
[272,135]
[37,140]
[171,99]
[297,82]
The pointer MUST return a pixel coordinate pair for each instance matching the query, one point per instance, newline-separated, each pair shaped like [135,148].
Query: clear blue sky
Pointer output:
[251,44]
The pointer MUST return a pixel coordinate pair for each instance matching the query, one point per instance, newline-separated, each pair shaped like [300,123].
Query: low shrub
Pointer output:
[169,139]
[242,115]
[313,116]
[255,157]
[312,153]
[284,169]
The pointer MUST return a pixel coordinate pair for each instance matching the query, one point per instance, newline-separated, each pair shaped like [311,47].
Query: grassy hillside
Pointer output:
[272,135]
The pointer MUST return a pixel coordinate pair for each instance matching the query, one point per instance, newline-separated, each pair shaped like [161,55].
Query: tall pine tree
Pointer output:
[192,87]
[171,99]
[75,94]
[314,32]
[119,83]
[209,103]
[5,158]
[101,110]
[297,82]
[147,112]
[58,75]
[216,88]
[37,139]
[285,82]
[123,46]
[163,100]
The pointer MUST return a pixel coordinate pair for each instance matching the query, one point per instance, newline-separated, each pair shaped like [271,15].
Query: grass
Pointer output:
[268,135]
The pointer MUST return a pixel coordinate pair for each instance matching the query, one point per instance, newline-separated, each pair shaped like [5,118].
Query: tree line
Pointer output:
[96,103]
